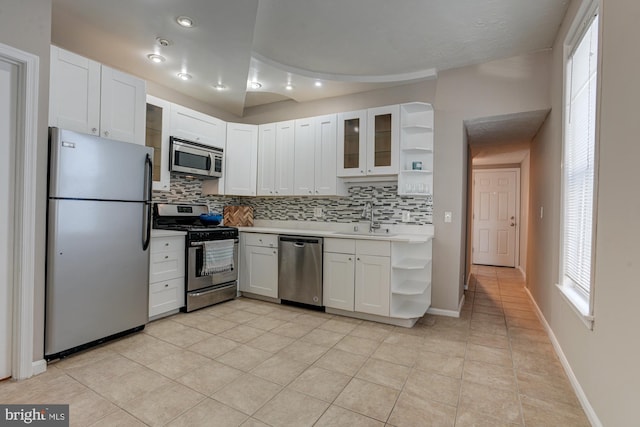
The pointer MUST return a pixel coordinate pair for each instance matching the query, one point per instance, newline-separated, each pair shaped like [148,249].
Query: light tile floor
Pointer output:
[251,363]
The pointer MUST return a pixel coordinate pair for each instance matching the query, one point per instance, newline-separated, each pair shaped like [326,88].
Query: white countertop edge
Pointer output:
[342,233]
[166,233]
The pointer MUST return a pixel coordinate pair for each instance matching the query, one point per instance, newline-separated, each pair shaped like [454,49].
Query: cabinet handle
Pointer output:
[94,130]
[310,192]
[362,172]
[166,285]
[358,259]
[274,252]
[369,170]
[166,244]
[106,133]
[197,138]
[317,191]
[349,258]
[166,257]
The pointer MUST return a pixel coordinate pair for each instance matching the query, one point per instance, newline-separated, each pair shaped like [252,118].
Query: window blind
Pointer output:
[579,160]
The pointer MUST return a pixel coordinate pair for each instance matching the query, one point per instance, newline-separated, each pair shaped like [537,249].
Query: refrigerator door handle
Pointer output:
[147,203]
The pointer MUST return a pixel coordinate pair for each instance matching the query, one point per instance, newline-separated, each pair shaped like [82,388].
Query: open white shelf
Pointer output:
[411,264]
[418,149]
[409,309]
[411,287]
[416,171]
[417,128]
[416,145]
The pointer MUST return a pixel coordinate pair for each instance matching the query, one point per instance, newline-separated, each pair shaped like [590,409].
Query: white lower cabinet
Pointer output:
[338,280]
[166,275]
[259,264]
[357,275]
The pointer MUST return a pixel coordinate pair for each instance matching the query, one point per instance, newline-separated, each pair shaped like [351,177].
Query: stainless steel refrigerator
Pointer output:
[98,232]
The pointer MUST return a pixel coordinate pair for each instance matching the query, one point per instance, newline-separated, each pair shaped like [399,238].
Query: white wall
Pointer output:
[26,25]
[605,360]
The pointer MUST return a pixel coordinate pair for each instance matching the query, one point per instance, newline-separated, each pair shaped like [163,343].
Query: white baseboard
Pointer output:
[39,366]
[448,313]
[582,397]
[524,274]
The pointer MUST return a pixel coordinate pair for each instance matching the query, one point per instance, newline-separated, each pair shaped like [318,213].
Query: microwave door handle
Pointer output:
[212,162]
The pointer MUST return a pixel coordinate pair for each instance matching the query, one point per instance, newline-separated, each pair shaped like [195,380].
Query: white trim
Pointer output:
[25,208]
[582,397]
[524,273]
[578,302]
[448,313]
[39,366]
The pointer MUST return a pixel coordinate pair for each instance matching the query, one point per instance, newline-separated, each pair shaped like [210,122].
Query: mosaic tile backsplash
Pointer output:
[388,206]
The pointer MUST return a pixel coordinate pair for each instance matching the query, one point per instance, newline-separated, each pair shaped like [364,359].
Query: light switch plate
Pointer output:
[447,217]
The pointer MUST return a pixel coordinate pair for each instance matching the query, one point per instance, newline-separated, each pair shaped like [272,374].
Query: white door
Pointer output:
[266,159]
[338,280]
[304,162]
[262,271]
[495,201]
[122,106]
[74,99]
[8,108]
[325,148]
[284,169]
[241,160]
[372,293]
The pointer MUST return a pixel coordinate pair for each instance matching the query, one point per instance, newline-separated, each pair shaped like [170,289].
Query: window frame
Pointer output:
[580,301]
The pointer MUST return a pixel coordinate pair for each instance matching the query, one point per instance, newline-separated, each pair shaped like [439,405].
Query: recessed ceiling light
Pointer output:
[156,58]
[318,83]
[219,87]
[163,42]
[255,85]
[185,21]
[184,76]
[289,86]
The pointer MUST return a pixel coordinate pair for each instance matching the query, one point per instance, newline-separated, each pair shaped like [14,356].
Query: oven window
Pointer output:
[192,160]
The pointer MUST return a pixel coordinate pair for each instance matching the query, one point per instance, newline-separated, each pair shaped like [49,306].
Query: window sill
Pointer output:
[578,303]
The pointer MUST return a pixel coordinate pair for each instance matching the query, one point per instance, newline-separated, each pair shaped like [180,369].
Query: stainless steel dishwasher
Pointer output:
[300,269]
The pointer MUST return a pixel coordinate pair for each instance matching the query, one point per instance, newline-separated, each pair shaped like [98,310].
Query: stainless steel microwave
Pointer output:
[192,158]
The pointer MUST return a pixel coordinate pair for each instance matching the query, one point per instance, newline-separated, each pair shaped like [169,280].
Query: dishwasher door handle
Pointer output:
[299,245]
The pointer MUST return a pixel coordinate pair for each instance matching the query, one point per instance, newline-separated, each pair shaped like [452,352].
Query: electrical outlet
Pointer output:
[317,212]
[406,216]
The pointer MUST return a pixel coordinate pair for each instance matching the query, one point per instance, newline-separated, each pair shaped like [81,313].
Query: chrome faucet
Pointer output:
[373,225]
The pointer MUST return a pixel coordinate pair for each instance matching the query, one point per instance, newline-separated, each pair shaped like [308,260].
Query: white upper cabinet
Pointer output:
[88,97]
[304,153]
[157,137]
[326,181]
[368,142]
[266,159]
[383,131]
[352,143]
[241,159]
[197,127]
[284,168]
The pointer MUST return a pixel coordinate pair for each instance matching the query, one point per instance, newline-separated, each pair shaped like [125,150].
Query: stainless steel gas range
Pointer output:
[211,254]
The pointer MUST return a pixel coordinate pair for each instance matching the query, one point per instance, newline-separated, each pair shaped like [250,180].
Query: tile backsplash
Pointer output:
[388,206]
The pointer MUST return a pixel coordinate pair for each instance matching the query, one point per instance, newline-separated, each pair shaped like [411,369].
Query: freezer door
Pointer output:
[89,167]
[97,273]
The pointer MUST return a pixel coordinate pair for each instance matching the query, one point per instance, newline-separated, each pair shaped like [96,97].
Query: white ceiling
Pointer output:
[349,45]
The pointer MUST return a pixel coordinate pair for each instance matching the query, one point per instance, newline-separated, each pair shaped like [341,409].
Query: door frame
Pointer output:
[24,215]
[516,248]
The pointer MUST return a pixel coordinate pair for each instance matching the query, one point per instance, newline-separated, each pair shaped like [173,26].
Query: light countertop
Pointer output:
[166,233]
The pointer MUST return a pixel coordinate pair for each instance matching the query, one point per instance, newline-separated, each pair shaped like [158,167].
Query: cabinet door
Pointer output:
[262,271]
[122,106]
[166,296]
[383,131]
[372,284]
[74,98]
[157,137]
[198,127]
[304,162]
[325,155]
[266,159]
[352,154]
[284,166]
[241,160]
[338,280]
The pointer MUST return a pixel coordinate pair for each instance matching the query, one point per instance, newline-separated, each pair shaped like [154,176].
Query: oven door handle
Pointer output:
[194,244]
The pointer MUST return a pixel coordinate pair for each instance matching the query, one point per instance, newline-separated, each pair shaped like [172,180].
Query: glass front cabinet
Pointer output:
[368,142]
[157,137]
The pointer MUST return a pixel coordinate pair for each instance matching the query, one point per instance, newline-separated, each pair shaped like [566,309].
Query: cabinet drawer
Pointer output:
[165,296]
[341,246]
[166,265]
[373,247]
[259,239]
[165,244]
